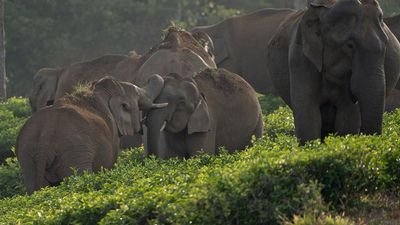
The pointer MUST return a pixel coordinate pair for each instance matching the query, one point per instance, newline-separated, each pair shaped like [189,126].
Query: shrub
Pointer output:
[272,180]
[270,103]
[13,114]
[10,179]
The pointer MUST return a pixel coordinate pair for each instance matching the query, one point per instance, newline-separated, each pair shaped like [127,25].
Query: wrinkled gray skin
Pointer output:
[325,59]
[82,131]
[44,87]
[240,43]
[215,108]
[180,57]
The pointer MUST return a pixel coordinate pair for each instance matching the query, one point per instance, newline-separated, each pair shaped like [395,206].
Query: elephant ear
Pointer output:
[199,121]
[311,31]
[122,113]
[205,41]
[220,50]
[118,105]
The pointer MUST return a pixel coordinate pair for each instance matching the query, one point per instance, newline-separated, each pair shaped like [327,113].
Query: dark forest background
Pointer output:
[55,33]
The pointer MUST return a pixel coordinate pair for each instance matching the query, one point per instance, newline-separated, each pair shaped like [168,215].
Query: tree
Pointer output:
[3,93]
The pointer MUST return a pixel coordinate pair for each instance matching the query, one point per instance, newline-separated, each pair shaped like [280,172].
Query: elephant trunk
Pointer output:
[368,87]
[155,121]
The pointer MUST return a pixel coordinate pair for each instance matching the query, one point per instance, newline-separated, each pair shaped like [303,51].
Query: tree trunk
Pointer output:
[3,94]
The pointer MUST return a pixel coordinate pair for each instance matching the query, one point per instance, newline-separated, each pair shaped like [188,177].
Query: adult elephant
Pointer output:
[44,87]
[179,52]
[240,43]
[121,67]
[333,64]
[394,25]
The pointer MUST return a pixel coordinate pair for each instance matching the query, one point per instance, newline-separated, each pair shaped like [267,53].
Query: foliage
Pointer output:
[272,180]
[13,114]
[270,103]
[10,179]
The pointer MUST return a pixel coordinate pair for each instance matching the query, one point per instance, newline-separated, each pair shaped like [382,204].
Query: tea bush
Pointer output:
[13,114]
[272,180]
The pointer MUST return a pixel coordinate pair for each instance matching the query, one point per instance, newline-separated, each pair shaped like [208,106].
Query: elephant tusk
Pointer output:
[159,105]
[163,126]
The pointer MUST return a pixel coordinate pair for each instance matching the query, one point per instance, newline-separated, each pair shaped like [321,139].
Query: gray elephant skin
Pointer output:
[213,109]
[333,64]
[82,130]
[240,43]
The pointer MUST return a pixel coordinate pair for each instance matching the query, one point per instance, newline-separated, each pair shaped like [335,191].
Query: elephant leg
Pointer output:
[328,115]
[131,141]
[201,142]
[74,161]
[348,119]
[305,94]
[172,145]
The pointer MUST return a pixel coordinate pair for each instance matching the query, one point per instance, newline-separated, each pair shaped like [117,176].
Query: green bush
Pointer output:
[272,180]
[270,103]
[10,179]
[13,114]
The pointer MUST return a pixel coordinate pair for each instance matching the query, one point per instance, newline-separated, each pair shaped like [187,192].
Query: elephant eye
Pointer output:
[125,106]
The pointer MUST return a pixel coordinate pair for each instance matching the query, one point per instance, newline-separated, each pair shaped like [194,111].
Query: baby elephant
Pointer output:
[82,130]
[215,108]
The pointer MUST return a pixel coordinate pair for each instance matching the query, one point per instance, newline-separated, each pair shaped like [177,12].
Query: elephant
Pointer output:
[394,25]
[240,43]
[213,109]
[81,130]
[393,100]
[44,87]
[179,52]
[121,67]
[333,64]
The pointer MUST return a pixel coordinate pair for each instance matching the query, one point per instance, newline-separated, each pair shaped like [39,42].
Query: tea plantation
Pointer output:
[273,182]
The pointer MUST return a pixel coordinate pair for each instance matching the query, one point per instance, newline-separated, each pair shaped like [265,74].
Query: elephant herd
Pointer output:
[336,64]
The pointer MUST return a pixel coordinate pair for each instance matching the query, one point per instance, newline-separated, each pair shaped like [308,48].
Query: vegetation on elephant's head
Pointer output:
[83,89]
[175,38]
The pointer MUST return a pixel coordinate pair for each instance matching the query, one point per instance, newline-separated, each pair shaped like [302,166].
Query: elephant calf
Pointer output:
[82,130]
[213,109]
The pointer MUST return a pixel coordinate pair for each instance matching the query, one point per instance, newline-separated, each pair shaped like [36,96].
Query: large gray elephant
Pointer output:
[394,24]
[240,43]
[213,109]
[179,52]
[332,64]
[121,67]
[82,130]
[44,87]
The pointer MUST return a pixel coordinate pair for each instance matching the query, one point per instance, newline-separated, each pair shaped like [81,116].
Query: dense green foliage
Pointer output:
[266,184]
[13,114]
[53,33]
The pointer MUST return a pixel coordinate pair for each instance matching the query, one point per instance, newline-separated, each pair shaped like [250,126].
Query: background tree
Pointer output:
[3,93]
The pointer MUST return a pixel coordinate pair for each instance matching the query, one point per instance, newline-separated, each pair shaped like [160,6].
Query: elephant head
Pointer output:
[346,41]
[205,41]
[187,111]
[123,101]
[44,87]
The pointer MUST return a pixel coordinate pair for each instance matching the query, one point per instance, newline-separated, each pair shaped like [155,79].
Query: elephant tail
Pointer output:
[258,132]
